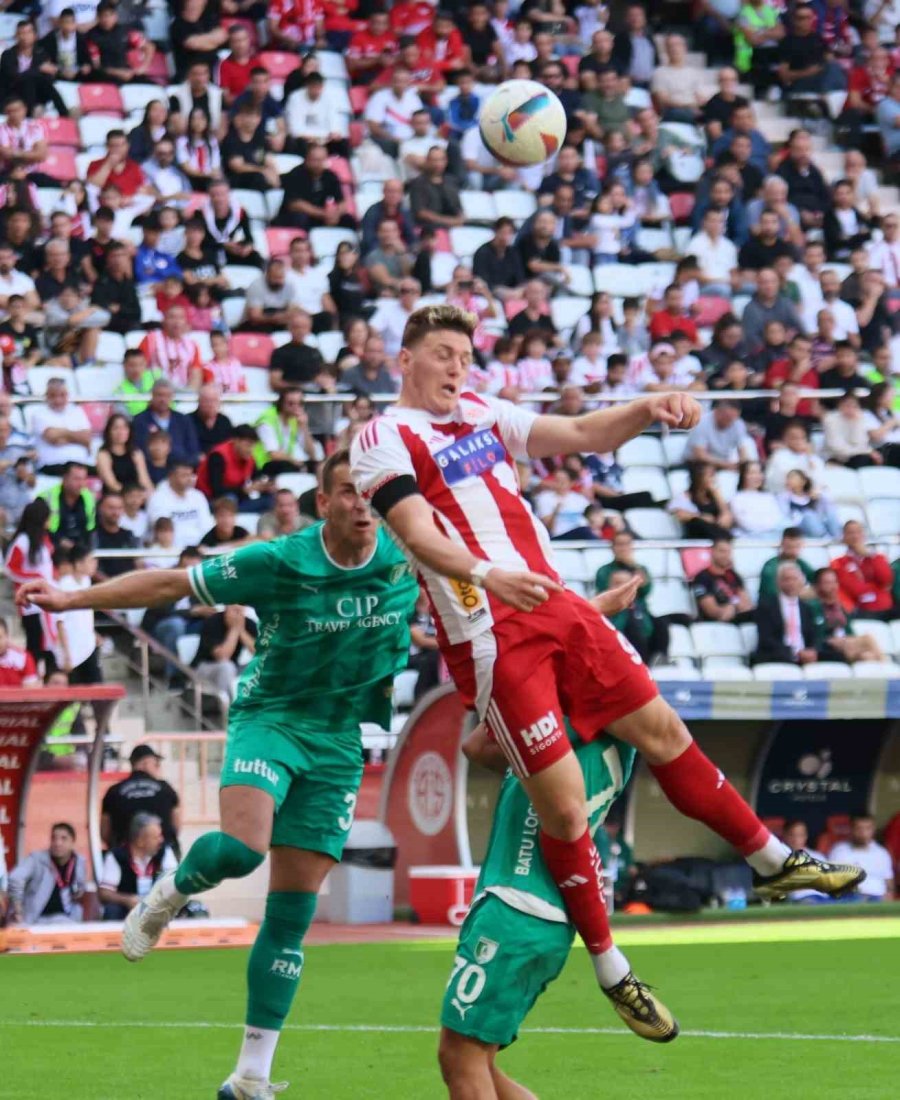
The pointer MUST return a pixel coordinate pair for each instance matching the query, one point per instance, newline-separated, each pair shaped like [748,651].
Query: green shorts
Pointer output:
[504,961]
[313,777]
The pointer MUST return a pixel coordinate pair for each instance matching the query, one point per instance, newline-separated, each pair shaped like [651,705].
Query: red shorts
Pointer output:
[529,671]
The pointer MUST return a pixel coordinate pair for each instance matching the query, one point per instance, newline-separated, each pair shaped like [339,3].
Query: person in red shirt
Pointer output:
[17,668]
[442,44]
[411,17]
[798,368]
[116,167]
[426,77]
[867,87]
[673,316]
[234,72]
[371,49]
[295,24]
[865,578]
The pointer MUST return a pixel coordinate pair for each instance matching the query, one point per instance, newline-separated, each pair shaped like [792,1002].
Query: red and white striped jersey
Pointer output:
[16,666]
[465,466]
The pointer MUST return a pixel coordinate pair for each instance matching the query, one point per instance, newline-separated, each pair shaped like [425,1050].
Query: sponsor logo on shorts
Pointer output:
[470,599]
[486,949]
[542,733]
[285,969]
[255,767]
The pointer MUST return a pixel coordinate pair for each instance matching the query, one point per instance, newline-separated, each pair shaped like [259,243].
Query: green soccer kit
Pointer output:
[330,641]
[516,937]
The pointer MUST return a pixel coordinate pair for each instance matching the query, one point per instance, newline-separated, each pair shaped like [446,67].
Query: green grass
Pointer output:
[781,983]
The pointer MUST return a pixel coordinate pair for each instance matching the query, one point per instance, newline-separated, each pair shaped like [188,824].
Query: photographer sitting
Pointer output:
[47,886]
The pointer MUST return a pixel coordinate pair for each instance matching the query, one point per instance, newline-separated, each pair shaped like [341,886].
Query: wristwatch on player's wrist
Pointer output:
[479,571]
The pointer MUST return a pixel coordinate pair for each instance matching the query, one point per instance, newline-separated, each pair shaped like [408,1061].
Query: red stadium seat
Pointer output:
[359,97]
[97,413]
[279,239]
[60,164]
[838,825]
[158,69]
[62,132]
[195,202]
[442,241]
[341,168]
[279,63]
[693,560]
[571,61]
[358,133]
[253,349]
[681,204]
[825,842]
[101,99]
[512,306]
[708,309]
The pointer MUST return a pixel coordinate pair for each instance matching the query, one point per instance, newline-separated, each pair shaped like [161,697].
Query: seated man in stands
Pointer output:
[790,549]
[720,591]
[229,470]
[130,870]
[837,640]
[786,624]
[874,858]
[47,886]
[284,519]
[224,638]
[865,578]
[625,561]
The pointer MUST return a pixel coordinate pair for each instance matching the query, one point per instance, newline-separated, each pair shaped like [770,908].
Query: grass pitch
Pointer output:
[769,1011]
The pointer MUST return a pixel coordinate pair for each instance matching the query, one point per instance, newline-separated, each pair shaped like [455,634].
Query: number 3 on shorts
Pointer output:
[346,820]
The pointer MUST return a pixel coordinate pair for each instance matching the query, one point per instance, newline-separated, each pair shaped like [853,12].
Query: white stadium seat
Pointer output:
[404,688]
[662,673]
[652,523]
[681,644]
[187,646]
[647,479]
[881,632]
[883,518]
[565,312]
[38,377]
[98,382]
[465,240]
[777,671]
[572,565]
[880,482]
[717,639]
[297,483]
[240,276]
[827,670]
[110,348]
[478,206]
[515,204]
[671,598]
[843,484]
[325,240]
[876,670]
[643,450]
[727,673]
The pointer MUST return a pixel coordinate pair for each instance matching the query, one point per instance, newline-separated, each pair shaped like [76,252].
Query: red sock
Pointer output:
[575,868]
[696,788]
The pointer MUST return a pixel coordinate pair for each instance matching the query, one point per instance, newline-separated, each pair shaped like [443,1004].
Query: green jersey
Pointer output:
[767,585]
[513,868]
[331,638]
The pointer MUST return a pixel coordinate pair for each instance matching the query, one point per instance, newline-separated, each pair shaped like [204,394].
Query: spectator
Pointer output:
[14,282]
[846,227]
[66,49]
[137,384]
[314,114]
[727,344]
[313,195]
[118,168]
[673,316]
[766,245]
[862,850]
[23,144]
[807,189]
[804,64]
[134,517]
[210,424]
[234,70]
[872,313]
[756,512]
[719,590]
[17,482]
[884,255]
[790,549]
[560,507]
[224,638]
[807,507]
[152,265]
[865,577]
[414,149]
[170,184]
[269,300]
[173,352]
[371,375]
[196,37]
[434,196]
[702,510]
[61,431]
[17,666]
[286,444]
[167,624]
[679,89]
[768,304]
[794,452]
[292,27]
[284,519]
[624,561]
[225,531]
[716,254]
[258,95]
[633,53]
[391,206]
[230,470]
[371,49]
[389,111]
[847,437]
[119,461]
[721,438]
[177,498]
[796,834]
[887,115]
[77,652]
[72,508]
[22,71]
[389,262]
[109,534]
[786,624]
[246,159]
[114,48]
[228,227]
[838,641]
[115,291]
[881,419]
[130,870]
[224,370]
[71,326]
[29,557]
[47,886]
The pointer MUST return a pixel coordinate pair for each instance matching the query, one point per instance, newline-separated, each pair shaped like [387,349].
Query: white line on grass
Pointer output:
[403,1029]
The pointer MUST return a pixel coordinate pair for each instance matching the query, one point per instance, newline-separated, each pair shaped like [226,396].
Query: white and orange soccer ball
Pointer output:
[522,123]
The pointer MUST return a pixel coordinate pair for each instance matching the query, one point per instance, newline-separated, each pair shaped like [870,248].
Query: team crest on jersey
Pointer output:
[485,949]
[397,573]
[470,456]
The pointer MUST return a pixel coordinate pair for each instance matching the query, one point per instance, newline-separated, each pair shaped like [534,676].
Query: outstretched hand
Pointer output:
[523,591]
[675,410]
[617,599]
[42,594]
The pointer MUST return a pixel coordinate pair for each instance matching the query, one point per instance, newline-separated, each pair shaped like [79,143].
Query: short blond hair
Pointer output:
[433,319]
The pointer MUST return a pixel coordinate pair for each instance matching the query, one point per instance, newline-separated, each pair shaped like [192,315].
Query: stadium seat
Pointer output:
[843,484]
[693,559]
[637,99]
[94,128]
[581,280]
[297,483]
[248,520]
[572,566]
[253,203]
[655,560]
[150,314]
[876,670]
[827,670]
[442,266]
[682,206]
[880,482]
[61,132]
[721,660]
[232,312]
[881,632]
[854,512]
[279,239]
[669,597]
[187,646]
[518,205]
[620,280]
[895,634]
[596,559]
[769,671]
[103,99]
[240,276]
[98,382]
[253,349]
[750,636]
[652,523]
[709,308]
[749,560]
[465,240]
[110,348]
[359,97]
[330,343]
[331,65]
[279,63]
[681,645]
[727,673]
[404,688]
[38,377]
[884,518]
[717,639]
[60,164]
[649,479]
[565,312]
[675,673]
[653,239]
[478,206]
[673,444]
[256,380]
[643,450]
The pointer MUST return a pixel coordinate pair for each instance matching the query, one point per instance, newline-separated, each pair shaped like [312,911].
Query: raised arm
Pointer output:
[607,429]
[148,588]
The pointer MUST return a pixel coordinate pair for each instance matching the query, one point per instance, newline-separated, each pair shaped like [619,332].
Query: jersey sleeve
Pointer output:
[514,424]
[242,576]
[378,457]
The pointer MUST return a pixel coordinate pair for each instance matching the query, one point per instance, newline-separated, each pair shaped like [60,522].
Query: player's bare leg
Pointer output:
[233,851]
[275,967]
[698,789]
[466,1066]
[507,1088]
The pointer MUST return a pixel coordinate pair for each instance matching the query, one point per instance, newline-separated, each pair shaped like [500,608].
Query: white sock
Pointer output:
[168,891]
[257,1053]
[611,966]
[770,858]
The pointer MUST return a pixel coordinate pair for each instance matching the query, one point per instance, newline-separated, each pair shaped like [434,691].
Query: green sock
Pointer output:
[276,961]
[213,857]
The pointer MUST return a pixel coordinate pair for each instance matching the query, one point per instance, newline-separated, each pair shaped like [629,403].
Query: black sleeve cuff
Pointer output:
[392,492]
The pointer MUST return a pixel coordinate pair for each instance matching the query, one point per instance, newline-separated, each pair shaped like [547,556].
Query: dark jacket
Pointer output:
[180,427]
[770,627]
[621,52]
[51,49]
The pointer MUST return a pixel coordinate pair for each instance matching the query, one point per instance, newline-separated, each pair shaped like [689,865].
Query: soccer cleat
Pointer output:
[248,1088]
[148,919]
[801,871]
[644,1013]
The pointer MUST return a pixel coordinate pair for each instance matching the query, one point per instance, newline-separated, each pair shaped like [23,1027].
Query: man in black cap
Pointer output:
[142,792]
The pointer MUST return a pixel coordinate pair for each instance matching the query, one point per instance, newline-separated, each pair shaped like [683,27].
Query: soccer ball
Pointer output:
[522,123]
